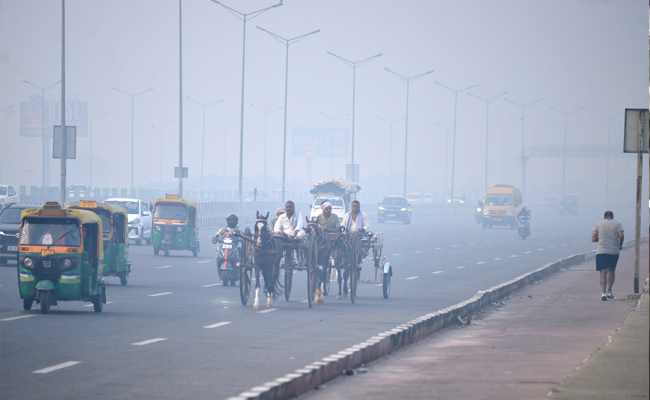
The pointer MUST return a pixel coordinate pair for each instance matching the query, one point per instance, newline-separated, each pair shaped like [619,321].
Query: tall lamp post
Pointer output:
[287,43]
[406,133]
[45,158]
[487,125]
[132,96]
[90,167]
[453,152]
[203,133]
[503,147]
[266,113]
[566,118]
[609,136]
[333,119]
[390,151]
[447,129]
[523,157]
[244,18]
[162,126]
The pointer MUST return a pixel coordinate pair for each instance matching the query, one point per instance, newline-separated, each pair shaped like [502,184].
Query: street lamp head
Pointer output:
[277,5]
[311,33]
[378,55]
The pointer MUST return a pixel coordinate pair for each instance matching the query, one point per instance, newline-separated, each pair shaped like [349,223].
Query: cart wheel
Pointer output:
[98,301]
[166,250]
[156,251]
[27,304]
[288,280]
[124,278]
[354,270]
[246,276]
[45,302]
[195,252]
[312,269]
[326,283]
[386,284]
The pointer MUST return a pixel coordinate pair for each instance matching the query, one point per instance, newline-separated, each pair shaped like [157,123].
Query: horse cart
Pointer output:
[383,271]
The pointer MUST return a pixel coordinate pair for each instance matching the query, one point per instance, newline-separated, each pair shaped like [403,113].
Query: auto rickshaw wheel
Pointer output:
[156,251]
[124,278]
[27,304]
[166,252]
[45,302]
[98,301]
[195,252]
[148,241]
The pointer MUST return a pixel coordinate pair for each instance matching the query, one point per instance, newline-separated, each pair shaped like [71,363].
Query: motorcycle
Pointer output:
[228,256]
[478,214]
[523,226]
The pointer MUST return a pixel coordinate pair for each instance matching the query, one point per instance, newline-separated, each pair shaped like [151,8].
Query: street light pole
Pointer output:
[408,81]
[203,134]
[43,90]
[161,147]
[453,152]
[523,157]
[91,147]
[390,151]
[609,135]
[132,96]
[244,18]
[333,119]
[566,117]
[487,124]
[287,43]
[266,113]
[447,129]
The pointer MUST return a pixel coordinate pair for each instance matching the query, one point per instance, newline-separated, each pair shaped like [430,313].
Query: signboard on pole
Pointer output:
[632,127]
[71,139]
[32,114]
[319,142]
[177,173]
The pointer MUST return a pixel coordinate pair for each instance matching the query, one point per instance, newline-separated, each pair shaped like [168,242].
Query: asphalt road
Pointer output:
[175,332]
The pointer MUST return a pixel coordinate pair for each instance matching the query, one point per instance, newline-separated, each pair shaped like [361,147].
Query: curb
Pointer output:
[314,374]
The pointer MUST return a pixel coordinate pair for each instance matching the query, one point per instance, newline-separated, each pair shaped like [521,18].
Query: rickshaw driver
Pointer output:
[231,227]
[57,235]
[356,220]
[328,221]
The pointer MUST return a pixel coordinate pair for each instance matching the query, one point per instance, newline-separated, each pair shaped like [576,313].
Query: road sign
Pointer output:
[632,127]
[320,142]
[71,139]
[177,174]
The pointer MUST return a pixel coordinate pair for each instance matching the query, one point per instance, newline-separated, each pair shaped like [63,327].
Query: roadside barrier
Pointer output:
[319,372]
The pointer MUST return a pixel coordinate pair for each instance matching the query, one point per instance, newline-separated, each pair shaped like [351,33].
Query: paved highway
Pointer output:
[175,332]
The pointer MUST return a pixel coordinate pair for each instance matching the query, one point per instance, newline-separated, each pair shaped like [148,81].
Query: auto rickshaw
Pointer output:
[569,205]
[175,225]
[115,237]
[60,257]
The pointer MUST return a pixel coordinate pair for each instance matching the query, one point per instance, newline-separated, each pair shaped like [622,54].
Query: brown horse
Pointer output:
[321,258]
[268,253]
[343,248]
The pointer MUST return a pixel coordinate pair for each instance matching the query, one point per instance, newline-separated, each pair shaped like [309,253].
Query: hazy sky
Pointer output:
[571,53]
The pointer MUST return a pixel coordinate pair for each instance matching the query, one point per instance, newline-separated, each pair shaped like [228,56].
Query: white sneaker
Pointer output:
[603,297]
[609,294]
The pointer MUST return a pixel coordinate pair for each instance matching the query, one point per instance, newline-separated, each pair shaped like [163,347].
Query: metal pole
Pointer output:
[446,160]
[64,136]
[406,133]
[180,99]
[241,122]
[390,160]
[609,134]
[284,143]
[523,158]
[161,153]
[44,160]
[639,185]
[132,147]
[487,125]
[453,152]
[564,153]
[354,91]
[202,147]
[265,115]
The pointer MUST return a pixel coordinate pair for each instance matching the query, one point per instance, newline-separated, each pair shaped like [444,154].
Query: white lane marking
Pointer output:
[527,252]
[563,244]
[164,266]
[540,249]
[160,294]
[419,251]
[574,243]
[456,245]
[480,262]
[212,284]
[90,305]
[395,255]
[218,324]
[551,247]
[496,259]
[584,241]
[203,262]
[412,277]
[486,241]
[269,310]
[438,272]
[514,255]
[143,343]
[304,301]
[462,266]
[472,243]
[55,367]
[15,318]
[438,248]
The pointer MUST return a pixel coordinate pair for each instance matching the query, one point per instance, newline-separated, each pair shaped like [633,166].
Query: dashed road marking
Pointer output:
[419,251]
[15,318]
[160,294]
[472,243]
[212,284]
[551,247]
[164,266]
[527,252]
[438,272]
[486,241]
[397,254]
[90,305]
[584,241]
[56,367]
[563,244]
[480,262]
[540,249]
[412,277]
[218,324]
[496,259]
[574,243]
[203,262]
[146,342]
[514,255]
[462,266]
[268,310]
[456,245]
[438,248]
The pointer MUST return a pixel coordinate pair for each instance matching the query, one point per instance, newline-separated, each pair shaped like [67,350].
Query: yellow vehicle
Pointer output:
[175,225]
[502,203]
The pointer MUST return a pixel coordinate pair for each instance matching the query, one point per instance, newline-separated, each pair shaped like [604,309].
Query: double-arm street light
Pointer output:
[487,125]
[333,119]
[44,156]
[287,43]
[92,125]
[406,132]
[244,18]
[609,135]
[354,65]
[266,113]
[132,96]
[203,133]
[390,151]
[523,156]
[566,117]
[453,152]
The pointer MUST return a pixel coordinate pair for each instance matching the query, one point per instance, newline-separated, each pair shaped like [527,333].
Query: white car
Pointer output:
[338,207]
[140,222]
[7,195]
[413,198]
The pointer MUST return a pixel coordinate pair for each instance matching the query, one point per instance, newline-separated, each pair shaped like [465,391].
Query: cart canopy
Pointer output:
[335,186]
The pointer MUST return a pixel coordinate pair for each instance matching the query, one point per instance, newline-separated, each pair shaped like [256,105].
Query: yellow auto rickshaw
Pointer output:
[175,225]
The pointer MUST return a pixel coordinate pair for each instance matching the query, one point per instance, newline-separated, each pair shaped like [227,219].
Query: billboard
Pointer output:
[32,114]
[320,142]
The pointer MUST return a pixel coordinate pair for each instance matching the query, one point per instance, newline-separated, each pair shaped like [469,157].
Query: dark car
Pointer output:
[9,227]
[395,208]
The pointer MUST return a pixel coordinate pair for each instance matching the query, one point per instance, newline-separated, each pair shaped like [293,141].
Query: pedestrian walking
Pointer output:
[610,237]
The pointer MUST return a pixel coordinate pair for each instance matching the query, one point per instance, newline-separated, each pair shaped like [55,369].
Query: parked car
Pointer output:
[9,227]
[140,222]
[394,208]
[7,195]
[458,198]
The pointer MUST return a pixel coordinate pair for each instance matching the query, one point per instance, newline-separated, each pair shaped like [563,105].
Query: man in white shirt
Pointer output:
[355,220]
[610,237]
[290,223]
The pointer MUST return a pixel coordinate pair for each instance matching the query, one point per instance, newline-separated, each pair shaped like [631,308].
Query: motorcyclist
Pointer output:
[524,213]
[231,227]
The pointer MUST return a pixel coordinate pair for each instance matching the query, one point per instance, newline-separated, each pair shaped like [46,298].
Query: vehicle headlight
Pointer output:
[157,228]
[381,208]
[136,221]
[478,210]
[67,262]
[510,212]
[448,200]
[28,262]
[403,209]
[179,229]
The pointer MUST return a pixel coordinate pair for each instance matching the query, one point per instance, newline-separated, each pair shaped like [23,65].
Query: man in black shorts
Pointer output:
[610,237]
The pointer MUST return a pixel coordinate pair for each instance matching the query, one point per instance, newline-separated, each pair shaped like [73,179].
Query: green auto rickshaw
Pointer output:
[115,237]
[175,225]
[60,257]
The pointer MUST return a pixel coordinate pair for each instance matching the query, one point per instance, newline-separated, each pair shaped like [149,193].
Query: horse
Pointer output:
[342,249]
[323,249]
[268,253]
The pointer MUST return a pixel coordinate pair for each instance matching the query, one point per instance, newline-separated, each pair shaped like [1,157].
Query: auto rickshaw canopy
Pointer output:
[119,215]
[190,204]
